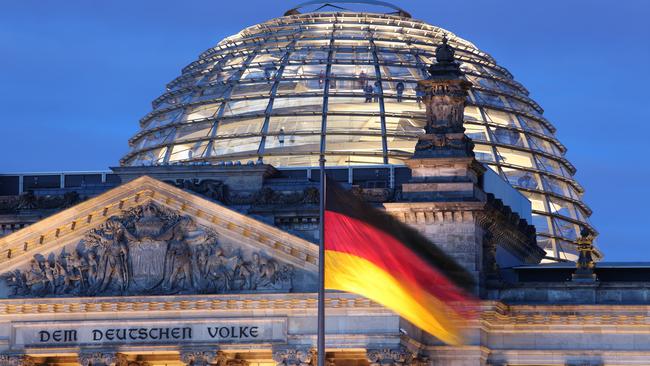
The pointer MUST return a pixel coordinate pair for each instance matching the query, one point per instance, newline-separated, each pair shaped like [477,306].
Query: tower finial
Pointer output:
[444,52]
[445,93]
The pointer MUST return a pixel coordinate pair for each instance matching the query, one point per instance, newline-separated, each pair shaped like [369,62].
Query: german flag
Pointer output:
[370,253]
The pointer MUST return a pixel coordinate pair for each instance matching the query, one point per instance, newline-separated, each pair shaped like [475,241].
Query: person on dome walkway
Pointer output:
[363,79]
[367,91]
[376,91]
[400,91]
[419,94]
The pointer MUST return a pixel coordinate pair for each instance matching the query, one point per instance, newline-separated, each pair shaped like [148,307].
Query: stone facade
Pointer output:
[528,323]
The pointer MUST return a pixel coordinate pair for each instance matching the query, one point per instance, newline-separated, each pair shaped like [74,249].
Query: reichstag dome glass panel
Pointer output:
[264,93]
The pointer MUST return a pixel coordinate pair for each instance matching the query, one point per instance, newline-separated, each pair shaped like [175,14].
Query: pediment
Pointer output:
[148,237]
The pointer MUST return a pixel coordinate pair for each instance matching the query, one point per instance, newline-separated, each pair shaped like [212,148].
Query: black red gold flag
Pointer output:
[371,253]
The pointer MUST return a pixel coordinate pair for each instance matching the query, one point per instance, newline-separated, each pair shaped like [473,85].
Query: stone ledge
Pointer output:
[131,304]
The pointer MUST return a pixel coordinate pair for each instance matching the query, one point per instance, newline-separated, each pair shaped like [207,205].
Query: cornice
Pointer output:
[9,308]
[569,318]
[432,212]
[494,315]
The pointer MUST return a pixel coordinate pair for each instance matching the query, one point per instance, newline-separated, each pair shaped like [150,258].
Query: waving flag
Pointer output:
[370,253]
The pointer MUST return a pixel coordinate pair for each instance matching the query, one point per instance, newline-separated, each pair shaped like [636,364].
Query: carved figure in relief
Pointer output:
[255,271]
[60,274]
[89,269]
[50,279]
[148,226]
[15,280]
[114,266]
[65,270]
[242,275]
[35,277]
[199,263]
[74,264]
[221,271]
[177,261]
[262,272]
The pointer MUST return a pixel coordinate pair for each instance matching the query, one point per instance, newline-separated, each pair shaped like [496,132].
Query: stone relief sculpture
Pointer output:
[97,359]
[295,357]
[149,250]
[214,189]
[197,358]
[29,201]
[16,360]
[218,191]
[390,357]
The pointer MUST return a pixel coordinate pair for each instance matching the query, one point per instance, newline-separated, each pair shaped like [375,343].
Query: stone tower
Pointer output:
[445,198]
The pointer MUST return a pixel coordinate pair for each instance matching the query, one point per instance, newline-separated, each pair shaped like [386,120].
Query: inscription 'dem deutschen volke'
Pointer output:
[146,334]
[174,331]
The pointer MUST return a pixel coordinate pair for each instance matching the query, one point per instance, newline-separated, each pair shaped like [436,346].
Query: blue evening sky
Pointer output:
[77,75]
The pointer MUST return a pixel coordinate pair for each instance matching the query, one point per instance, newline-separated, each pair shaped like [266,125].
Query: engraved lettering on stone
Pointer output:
[225,331]
[149,250]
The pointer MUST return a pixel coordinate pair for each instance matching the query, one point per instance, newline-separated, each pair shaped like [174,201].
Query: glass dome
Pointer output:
[264,93]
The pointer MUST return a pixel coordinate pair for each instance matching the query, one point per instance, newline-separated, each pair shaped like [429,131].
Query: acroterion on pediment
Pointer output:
[147,237]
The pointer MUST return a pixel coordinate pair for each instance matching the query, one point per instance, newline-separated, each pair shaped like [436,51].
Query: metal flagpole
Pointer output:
[321,268]
[321,248]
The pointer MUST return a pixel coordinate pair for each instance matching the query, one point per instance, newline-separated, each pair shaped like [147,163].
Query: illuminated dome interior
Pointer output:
[263,95]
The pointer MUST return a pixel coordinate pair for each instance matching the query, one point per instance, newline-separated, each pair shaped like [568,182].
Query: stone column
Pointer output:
[197,358]
[295,357]
[390,357]
[16,360]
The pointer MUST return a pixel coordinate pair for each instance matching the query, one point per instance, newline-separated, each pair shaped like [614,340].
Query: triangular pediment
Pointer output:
[148,237]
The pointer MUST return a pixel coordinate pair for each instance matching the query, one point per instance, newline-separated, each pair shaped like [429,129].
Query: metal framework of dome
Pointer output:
[260,95]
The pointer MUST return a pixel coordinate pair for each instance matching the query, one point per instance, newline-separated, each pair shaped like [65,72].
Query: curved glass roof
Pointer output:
[261,95]
[346,5]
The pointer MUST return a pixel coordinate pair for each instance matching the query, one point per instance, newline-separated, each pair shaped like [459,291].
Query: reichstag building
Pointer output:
[201,247]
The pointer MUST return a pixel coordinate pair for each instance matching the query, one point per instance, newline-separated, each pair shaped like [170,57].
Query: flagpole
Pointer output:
[321,267]
[320,342]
